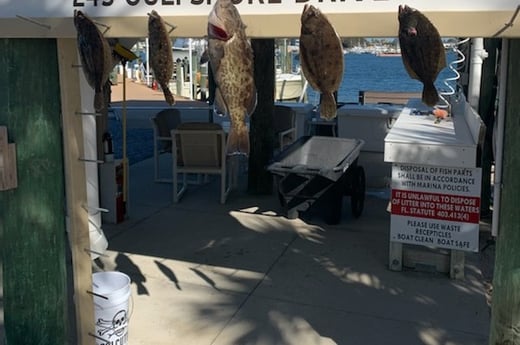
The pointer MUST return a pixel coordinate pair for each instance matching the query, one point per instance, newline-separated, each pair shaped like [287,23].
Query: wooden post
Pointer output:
[260,180]
[33,224]
[486,109]
[505,315]
[76,189]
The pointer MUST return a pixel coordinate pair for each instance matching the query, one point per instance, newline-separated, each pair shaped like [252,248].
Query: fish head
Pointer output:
[310,19]
[408,20]
[152,17]
[154,21]
[224,21]
[80,19]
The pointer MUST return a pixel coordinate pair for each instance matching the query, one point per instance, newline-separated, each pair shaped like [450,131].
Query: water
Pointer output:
[362,72]
[378,73]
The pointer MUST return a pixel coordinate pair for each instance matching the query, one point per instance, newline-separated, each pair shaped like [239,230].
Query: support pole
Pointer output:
[505,312]
[478,54]
[125,158]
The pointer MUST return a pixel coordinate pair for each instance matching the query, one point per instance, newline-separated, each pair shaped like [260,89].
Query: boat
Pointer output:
[291,84]
[290,87]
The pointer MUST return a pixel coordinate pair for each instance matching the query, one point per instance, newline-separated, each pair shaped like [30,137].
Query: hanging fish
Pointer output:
[231,61]
[321,57]
[422,51]
[161,54]
[95,55]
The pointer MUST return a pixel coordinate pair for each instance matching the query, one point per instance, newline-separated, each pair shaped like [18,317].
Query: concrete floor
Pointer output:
[242,273]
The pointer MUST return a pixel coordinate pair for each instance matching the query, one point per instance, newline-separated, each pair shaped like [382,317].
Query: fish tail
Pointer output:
[430,97]
[328,106]
[98,101]
[168,96]
[238,141]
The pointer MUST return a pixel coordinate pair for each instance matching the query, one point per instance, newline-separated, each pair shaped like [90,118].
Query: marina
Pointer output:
[239,205]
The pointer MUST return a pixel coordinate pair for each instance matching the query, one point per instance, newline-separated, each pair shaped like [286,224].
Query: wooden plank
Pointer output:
[33,224]
[369,97]
[423,258]
[505,311]
[76,190]
[419,257]
[395,255]
[457,260]
[4,159]
[8,177]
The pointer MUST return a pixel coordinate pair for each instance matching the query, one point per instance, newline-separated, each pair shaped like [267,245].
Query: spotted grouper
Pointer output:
[422,51]
[231,61]
[161,54]
[321,57]
[95,55]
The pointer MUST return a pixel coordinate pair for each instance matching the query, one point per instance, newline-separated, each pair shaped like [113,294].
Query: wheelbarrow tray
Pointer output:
[328,157]
[317,171]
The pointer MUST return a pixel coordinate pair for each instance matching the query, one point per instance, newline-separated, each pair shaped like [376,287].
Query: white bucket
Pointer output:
[98,243]
[111,297]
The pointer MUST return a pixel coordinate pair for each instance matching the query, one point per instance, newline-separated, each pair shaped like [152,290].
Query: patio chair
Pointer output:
[201,149]
[162,123]
[284,126]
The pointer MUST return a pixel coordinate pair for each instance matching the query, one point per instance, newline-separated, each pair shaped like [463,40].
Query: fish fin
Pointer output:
[327,106]
[430,96]
[168,96]
[238,141]
[252,103]
[98,101]
[220,103]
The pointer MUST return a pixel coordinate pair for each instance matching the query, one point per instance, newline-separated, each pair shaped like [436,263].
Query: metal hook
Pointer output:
[91,160]
[98,209]
[87,113]
[32,21]
[107,27]
[99,338]
[89,251]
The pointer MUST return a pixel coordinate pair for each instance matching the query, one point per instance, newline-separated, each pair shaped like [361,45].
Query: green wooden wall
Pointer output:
[33,219]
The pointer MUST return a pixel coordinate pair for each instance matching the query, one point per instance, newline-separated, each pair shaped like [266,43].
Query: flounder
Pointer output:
[321,56]
[95,55]
[422,51]
[161,54]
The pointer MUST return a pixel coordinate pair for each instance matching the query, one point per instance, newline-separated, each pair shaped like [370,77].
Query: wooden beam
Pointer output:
[505,311]
[76,189]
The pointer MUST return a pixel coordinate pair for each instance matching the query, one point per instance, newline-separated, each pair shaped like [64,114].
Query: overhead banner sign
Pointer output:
[101,8]
[436,206]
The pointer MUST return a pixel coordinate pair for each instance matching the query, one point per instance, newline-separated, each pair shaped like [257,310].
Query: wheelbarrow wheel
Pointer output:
[357,197]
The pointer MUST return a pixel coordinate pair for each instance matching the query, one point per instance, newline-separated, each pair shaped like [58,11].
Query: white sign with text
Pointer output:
[436,206]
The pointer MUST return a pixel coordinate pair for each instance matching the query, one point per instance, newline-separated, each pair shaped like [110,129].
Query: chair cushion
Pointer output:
[196,126]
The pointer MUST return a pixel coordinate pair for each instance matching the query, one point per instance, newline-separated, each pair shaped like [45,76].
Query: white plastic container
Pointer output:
[111,300]
[370,123]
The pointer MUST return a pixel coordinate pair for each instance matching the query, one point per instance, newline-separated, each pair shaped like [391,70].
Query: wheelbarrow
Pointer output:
[315,172]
